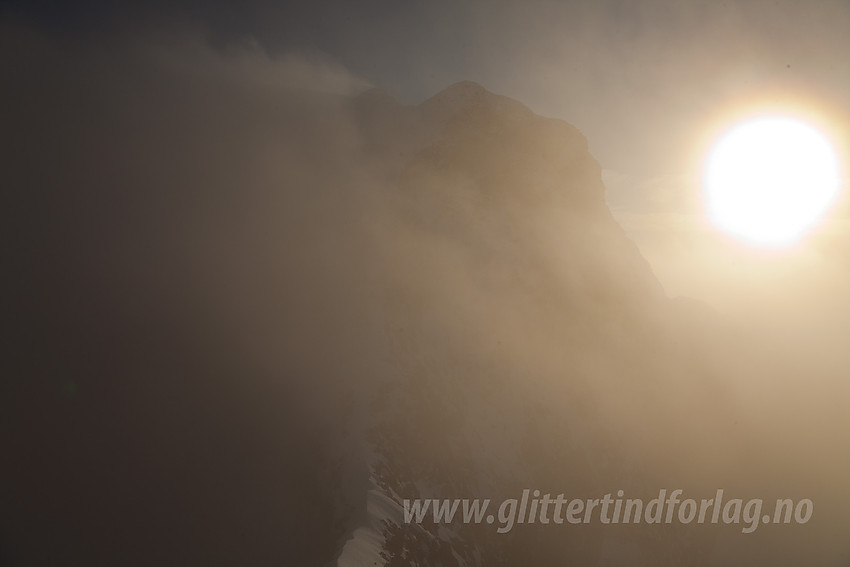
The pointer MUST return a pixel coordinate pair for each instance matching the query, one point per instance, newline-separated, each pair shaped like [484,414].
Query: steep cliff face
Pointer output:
[512,304]
[484,170]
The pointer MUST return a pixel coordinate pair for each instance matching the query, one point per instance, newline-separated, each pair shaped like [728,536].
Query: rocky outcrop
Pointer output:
[510,291]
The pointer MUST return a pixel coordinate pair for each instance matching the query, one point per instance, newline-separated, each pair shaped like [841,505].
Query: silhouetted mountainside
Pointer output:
[514,301]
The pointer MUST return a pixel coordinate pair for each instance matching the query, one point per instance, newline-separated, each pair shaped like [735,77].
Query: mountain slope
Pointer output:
[514,300]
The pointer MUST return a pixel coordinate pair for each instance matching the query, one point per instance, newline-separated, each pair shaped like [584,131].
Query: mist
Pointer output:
[248,289]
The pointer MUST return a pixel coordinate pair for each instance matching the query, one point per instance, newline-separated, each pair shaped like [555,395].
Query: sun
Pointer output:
[769,179]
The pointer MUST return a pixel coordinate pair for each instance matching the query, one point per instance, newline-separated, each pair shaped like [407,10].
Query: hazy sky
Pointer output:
[636,77]
[645,81]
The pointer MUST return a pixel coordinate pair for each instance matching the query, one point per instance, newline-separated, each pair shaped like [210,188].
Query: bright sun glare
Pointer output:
[769,179]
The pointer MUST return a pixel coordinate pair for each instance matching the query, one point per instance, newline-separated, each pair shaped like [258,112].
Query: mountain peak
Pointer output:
[466,88]
[467,95]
